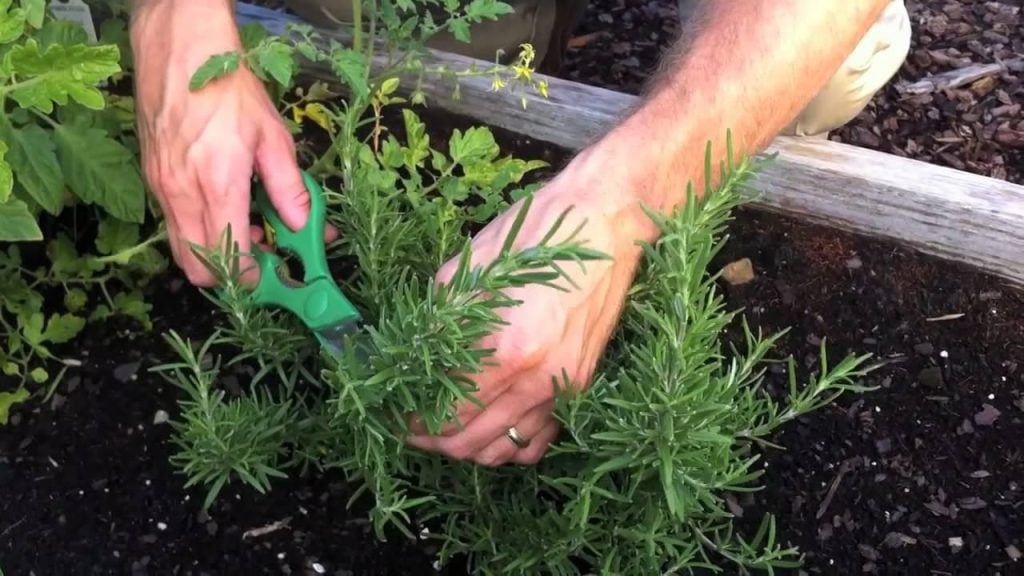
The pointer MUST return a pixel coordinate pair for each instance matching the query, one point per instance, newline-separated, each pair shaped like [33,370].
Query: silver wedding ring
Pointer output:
[517,438]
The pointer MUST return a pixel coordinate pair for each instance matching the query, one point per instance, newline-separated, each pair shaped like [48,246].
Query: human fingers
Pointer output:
[224,178]
[178,193]
[256,235]
[279,171]
[506,411]
[539,444]
[465,411]
[492,382]
[530,428]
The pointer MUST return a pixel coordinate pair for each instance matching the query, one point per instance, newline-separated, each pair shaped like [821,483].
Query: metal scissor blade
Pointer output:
[333,338]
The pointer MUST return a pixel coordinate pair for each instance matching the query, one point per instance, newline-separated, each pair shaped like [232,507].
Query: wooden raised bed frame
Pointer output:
[971,219]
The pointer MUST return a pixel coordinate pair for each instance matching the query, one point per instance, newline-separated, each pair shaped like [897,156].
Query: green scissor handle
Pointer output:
[318,301]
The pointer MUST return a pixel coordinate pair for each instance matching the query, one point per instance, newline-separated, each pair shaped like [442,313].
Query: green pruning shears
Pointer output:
[316,300]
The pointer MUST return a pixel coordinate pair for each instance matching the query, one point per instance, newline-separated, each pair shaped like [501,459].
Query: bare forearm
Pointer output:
[170,39]
[216,10]
[747,67]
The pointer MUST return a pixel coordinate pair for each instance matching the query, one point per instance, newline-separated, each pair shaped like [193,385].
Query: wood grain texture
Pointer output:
[955,215]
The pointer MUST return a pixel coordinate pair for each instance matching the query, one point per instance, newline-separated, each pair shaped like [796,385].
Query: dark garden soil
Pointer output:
[924,475]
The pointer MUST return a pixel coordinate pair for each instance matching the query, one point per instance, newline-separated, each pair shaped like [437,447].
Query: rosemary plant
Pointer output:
[636,482]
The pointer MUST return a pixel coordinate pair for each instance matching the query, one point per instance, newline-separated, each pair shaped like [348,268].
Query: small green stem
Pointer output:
[357,31]
[106,294]
[5,90]
[437,181]
[47,280]
[372,39]
[53,123]
[324,161]
[129,253]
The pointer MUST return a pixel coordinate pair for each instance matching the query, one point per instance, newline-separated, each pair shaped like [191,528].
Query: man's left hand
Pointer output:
[552,333]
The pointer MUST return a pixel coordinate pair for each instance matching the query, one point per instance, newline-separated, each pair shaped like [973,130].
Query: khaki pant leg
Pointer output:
[532,22]
[874,61]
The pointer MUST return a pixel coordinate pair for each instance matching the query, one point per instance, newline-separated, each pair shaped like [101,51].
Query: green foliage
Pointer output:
[69,178]
[637,480]
[209,433]
[8,399]
[268,57]
[56,74]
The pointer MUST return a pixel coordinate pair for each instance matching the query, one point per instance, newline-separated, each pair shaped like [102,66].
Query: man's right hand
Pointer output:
[201,148]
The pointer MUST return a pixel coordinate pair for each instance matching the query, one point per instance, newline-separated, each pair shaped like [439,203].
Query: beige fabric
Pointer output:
[532,23]
[875,60]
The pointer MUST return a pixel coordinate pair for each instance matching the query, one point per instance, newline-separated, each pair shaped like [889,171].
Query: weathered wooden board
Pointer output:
[962,217]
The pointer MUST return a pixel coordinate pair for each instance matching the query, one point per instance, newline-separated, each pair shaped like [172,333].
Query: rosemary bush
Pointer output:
[635,483]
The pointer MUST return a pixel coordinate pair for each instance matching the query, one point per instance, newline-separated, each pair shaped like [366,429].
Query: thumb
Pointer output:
[279,170]
[447,271]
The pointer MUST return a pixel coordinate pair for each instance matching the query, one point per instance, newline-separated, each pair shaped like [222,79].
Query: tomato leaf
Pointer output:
[101,171]
[6,176]
[8,400]
[34,161]
[53,75]
[116,235]
[76,299]
[351,67]
[474,145]
[35,11]
[12,25]
[17,224]
[62,328]
[217,66]
[460,30]
[251,34]
[133,305]
[275,59]
[32,327]
[487,9]
[114,32]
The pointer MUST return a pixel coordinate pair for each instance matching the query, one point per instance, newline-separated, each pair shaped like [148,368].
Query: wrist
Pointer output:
[625,174]
[177,35]
[595,193]
[153,19]
[171,40]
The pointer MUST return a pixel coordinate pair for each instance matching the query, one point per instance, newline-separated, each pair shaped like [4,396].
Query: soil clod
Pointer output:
[988,415]
[739,272]
[127,371]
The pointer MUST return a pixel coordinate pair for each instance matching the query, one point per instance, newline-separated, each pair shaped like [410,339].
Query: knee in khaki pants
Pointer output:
[544,24]
[875,60]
